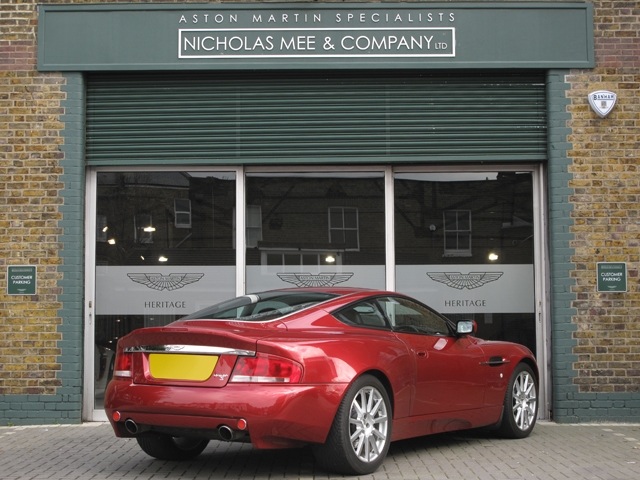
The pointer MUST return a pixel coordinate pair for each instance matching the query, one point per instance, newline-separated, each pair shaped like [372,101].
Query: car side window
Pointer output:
[408,316]
[365,314]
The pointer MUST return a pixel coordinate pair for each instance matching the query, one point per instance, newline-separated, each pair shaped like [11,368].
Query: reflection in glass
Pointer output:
[161,238]
[464,245]
[315,229]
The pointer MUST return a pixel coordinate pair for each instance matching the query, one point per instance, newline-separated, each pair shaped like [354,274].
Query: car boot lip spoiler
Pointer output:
[189,349]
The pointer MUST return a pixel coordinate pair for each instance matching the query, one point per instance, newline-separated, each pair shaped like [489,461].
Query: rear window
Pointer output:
[261,306]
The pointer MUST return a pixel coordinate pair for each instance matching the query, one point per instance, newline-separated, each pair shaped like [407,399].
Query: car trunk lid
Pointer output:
[190,355]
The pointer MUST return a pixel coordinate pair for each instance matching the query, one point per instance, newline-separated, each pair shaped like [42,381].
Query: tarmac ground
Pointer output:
[552,452]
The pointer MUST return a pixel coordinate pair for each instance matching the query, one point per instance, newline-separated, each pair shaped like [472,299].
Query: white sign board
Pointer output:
[470,288]
[176,290]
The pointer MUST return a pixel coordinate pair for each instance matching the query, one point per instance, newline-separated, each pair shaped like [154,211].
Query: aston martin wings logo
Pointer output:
[465,280]
[319,280]
[158,281]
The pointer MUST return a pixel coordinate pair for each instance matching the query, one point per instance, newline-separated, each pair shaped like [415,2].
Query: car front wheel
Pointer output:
[166,447]
[520,403]
[361,432]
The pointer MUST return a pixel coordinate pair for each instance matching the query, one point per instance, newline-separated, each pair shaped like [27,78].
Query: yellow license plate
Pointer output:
[178,366]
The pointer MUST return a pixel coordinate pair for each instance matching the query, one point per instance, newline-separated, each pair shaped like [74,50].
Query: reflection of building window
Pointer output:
[182,211]
[457,233]
[303,258]
[254,225]
[343,227]
[143,228]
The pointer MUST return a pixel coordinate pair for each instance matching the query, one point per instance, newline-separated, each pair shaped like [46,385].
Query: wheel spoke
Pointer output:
[368,424]
[524,400]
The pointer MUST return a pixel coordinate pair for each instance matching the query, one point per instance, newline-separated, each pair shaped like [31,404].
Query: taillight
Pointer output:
[266,369]
[123,364]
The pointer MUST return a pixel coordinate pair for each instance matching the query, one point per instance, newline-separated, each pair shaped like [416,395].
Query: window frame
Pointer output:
[458,232]
[344,228]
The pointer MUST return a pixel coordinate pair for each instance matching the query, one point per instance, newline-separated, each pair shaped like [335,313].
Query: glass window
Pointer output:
[408,316]
[318,229]
[163,250]
[266,306]
[488,278]
[363,314]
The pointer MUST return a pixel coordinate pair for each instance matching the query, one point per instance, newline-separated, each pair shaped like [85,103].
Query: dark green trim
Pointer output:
[72,253]
[332,35]
[560,236]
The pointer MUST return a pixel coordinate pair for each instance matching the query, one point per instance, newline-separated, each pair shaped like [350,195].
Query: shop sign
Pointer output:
[415,42]
[21,280]
[315,35]
[612,277]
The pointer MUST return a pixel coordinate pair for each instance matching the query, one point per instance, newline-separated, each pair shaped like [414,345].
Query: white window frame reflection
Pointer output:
[342,233]
[458,235]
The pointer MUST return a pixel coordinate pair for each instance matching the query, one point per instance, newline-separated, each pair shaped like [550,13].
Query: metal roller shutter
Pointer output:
[268,118]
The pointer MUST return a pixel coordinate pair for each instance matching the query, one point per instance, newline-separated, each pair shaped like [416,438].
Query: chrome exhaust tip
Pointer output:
[226,433]
[131,426]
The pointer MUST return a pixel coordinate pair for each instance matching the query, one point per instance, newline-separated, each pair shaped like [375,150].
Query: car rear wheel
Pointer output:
[520,403]
[166,447]
[361,432]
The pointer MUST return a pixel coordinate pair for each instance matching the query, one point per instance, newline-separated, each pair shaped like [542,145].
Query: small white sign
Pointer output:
[602,102]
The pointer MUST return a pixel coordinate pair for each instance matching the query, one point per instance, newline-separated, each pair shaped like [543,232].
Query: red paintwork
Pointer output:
[436,383]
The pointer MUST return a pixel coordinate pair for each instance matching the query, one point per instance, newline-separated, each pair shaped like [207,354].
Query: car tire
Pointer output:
[360,435]
[166,447]
[520,403]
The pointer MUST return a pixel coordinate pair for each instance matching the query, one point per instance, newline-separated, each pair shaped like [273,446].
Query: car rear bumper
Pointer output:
[270,415]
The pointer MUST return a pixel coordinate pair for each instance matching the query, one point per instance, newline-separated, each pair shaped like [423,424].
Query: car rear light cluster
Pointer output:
[266,369]
[123,364]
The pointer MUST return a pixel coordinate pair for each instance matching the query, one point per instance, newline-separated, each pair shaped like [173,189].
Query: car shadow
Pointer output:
[233,460]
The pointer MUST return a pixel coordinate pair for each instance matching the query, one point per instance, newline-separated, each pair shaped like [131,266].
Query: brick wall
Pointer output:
[30,198]
[605,183]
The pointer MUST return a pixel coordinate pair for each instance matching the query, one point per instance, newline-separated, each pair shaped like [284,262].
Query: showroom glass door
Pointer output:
[315,228]
[164,247]
[465,245]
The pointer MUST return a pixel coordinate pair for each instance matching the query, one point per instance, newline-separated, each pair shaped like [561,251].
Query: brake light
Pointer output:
[123,364]
[266,369]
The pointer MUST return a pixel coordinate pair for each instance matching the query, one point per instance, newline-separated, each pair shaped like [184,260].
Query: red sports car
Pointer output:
[344,370]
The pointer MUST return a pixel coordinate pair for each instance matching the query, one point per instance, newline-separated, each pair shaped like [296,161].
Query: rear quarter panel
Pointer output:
[340,355]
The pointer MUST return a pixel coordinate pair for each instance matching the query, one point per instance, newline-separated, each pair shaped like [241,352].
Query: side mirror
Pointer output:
[466,327]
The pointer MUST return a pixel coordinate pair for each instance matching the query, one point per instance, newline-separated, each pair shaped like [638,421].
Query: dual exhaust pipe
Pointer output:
[226,433]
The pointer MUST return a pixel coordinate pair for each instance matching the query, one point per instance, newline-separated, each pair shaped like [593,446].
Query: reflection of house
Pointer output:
[305,220]
[186,219]
[464,221]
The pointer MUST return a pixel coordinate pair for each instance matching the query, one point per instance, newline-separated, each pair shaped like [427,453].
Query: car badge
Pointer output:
[602,102]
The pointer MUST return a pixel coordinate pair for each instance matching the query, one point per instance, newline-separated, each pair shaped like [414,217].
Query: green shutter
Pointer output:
[261,118]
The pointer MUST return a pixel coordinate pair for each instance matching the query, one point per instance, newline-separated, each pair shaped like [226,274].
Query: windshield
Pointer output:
[261,306]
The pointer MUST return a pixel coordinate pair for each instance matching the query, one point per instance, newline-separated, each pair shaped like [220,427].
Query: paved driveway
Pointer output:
[552,452]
